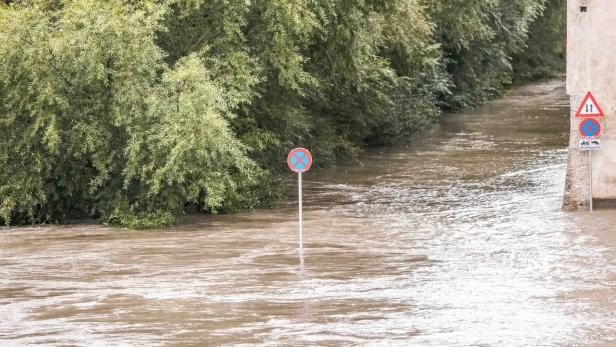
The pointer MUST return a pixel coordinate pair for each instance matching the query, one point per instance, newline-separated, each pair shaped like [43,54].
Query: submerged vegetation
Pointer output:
[135,112]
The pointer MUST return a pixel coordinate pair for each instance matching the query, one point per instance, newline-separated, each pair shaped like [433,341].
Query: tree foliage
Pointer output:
[544,55]
[94,122]
[136,112]
[480,39]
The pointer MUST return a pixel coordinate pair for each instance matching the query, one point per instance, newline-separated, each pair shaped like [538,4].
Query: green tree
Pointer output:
[544,56]
[137,111]
[479,39]
[85,95]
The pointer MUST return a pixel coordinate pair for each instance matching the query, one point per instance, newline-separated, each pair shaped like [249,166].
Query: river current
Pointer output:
[456,239]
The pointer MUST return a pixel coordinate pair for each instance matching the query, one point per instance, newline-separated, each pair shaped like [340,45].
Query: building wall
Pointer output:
[591,66]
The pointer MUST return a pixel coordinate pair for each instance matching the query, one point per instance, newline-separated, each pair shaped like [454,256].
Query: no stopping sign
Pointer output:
[299,160]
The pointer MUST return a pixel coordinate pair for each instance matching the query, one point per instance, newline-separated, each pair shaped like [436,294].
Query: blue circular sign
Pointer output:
[590,127]
[299,160]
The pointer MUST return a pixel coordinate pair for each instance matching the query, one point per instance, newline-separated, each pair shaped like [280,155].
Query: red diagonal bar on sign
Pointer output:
[300,160]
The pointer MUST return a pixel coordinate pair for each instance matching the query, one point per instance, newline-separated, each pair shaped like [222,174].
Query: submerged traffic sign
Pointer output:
[299,160]
[590,128]
[589,107]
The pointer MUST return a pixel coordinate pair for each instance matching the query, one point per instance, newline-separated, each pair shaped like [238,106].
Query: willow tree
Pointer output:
[544,55]
[85,93]
[136,112]
[379,69]
[479,39]
[328,75]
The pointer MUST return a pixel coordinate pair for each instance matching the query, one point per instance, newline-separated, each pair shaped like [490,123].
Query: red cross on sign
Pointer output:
[299,160]
[590,128]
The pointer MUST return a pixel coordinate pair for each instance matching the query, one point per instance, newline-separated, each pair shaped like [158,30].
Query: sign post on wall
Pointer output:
[300,161]
[590,130]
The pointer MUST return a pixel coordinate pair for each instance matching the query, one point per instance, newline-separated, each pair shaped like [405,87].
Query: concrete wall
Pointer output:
[591,66]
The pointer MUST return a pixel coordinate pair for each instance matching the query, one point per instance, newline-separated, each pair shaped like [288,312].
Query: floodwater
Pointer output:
[457,239]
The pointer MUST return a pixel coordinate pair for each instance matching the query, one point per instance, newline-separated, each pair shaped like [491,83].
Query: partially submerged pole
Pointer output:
[301,219]
[590,179]
[300,161]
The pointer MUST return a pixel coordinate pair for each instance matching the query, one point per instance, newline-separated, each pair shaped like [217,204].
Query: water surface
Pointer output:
[457,239]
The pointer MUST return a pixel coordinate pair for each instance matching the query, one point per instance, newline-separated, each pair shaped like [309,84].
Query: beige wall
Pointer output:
[591,66]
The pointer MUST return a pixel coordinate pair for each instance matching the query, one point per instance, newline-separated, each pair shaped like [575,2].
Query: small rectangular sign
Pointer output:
[590,144]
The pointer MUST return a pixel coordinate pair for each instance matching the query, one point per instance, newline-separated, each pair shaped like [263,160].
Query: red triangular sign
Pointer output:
[589,107]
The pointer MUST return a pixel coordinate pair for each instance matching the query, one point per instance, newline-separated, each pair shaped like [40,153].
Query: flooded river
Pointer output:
[457,239]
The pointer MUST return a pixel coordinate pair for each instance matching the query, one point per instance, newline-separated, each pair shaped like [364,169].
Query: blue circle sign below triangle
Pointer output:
[590,128]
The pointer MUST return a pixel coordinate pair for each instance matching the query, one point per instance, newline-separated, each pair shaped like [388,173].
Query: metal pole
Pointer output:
[301,221]
[590,180]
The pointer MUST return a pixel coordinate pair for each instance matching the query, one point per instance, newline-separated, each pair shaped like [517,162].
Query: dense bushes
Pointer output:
[137,111]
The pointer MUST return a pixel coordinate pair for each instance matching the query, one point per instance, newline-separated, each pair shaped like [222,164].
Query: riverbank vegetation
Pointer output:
[135,112]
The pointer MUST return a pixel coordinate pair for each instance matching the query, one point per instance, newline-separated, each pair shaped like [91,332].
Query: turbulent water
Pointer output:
[457,239]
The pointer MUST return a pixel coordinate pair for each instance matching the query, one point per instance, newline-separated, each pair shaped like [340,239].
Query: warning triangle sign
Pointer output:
[589,107]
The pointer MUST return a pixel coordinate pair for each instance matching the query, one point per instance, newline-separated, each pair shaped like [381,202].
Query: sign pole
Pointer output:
[301,219]
[299,161]
[590,179]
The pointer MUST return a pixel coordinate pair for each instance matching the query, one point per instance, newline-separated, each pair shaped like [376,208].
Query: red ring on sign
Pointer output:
[299,160]
[590,122]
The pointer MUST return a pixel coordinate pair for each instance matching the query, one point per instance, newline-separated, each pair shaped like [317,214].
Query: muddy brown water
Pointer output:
[457,239]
